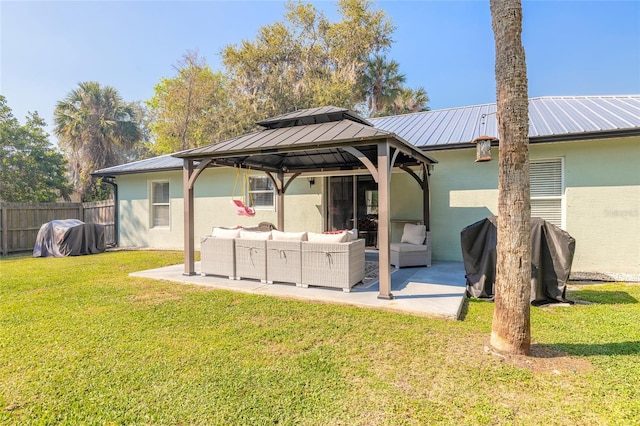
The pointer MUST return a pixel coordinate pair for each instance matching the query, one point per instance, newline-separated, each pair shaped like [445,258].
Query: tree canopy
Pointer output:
[191,109]
[31,170]
[302,61]
[95,128]
[305,60]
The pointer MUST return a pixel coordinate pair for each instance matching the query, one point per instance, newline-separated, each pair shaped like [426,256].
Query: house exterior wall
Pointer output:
[601,200]
[212,194]
[601,203]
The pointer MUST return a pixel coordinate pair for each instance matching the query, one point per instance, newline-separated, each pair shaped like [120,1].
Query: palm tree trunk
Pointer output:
[511,330]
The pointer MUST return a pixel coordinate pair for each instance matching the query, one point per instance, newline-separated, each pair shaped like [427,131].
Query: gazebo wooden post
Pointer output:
[187,190]
[280,190]
[384,175]
[426,197]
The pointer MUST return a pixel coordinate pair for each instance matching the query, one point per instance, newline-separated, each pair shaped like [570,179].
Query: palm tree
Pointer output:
[408,101]
[95,127]
[511,327]
[381,83]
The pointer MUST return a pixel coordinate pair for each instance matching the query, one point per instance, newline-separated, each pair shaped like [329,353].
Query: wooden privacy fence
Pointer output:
[20,222]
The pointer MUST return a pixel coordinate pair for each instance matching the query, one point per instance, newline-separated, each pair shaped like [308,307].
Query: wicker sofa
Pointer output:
[287,258]
[284,262]
[218,256]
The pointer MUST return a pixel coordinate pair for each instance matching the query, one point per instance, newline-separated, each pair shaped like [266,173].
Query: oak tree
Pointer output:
[31,169]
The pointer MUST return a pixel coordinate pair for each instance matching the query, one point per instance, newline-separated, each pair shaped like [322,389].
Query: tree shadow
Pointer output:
[603,297]
[585,349]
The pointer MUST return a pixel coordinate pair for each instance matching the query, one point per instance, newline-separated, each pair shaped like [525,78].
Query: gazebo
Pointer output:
[305,142]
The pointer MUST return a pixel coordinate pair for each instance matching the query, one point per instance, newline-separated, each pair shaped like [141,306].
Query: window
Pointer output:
[547,188]
[261,192]
[160,204]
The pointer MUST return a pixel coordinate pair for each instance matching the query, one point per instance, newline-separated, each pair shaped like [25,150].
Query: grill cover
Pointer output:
[552,252]
[69,237]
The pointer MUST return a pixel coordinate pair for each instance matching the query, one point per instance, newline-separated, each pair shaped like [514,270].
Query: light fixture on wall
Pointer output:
[312,181]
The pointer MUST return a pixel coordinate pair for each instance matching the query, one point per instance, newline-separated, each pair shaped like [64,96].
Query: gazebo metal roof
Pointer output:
[307,141]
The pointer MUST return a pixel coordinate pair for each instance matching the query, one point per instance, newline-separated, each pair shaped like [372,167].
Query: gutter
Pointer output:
[110,180]
[570,137]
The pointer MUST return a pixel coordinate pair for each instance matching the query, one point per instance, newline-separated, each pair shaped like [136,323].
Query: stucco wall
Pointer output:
[213,192]
[602,200]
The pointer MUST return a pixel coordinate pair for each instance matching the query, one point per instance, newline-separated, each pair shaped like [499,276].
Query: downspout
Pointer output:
[116,213]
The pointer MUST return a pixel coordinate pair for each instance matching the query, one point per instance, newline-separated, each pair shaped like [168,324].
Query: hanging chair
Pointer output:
[241,208]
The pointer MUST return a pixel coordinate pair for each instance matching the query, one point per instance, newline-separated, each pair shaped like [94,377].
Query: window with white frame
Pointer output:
[547,189]
[261,193]
[160,204]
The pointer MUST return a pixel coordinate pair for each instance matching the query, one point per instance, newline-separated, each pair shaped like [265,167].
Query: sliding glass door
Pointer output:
[352,202]
[340,203]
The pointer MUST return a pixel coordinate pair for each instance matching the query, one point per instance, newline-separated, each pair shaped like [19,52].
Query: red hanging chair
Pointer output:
[241,208]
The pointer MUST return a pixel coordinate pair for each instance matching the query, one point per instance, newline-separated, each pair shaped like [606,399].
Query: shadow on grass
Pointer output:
[603,297]
[585,349]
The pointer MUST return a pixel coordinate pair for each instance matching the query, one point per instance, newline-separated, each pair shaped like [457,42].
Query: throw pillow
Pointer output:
[413,234]
[340,237]
[288,236]
[225,232]
[255,235]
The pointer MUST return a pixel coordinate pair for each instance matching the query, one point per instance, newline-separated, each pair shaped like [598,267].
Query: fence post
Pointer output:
[5,231]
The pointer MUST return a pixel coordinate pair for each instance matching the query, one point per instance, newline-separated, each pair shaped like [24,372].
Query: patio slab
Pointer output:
[435,291]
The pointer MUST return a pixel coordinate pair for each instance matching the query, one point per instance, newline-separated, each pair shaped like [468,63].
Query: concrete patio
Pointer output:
[435,291]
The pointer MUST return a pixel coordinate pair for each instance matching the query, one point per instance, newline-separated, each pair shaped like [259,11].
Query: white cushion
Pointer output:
[353,234]
[413,234]
[255,235]
[225,233]
[407,247]
[340,237]
[288,236]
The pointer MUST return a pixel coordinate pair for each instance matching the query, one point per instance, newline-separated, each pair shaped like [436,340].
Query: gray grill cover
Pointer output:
[552,252]
[70,237]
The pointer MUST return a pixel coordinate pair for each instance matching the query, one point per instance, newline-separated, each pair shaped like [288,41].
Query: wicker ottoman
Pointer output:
[251,259]
[218,256]
[284,262]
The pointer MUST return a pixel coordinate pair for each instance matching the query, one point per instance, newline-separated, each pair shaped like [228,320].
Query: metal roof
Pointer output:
[155,164]
[307,147]
[312,116]
[313,135]
[550,119]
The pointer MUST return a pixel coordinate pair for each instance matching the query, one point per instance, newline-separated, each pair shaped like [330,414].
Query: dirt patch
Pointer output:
[544,360]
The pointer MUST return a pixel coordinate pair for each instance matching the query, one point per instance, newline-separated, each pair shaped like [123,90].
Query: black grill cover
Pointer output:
[70,237]
[552,252]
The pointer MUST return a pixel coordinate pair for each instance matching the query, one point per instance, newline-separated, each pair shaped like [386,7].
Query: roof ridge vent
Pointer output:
[310,116]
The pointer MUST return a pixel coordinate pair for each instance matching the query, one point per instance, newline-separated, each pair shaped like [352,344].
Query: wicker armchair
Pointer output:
[405,254]
[337,265]
[218,256]
[284,262]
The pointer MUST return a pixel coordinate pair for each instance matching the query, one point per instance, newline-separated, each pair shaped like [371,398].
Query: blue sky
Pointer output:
[572,47]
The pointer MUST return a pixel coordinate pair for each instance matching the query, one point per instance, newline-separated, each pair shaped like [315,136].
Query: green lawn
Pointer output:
[81,342]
